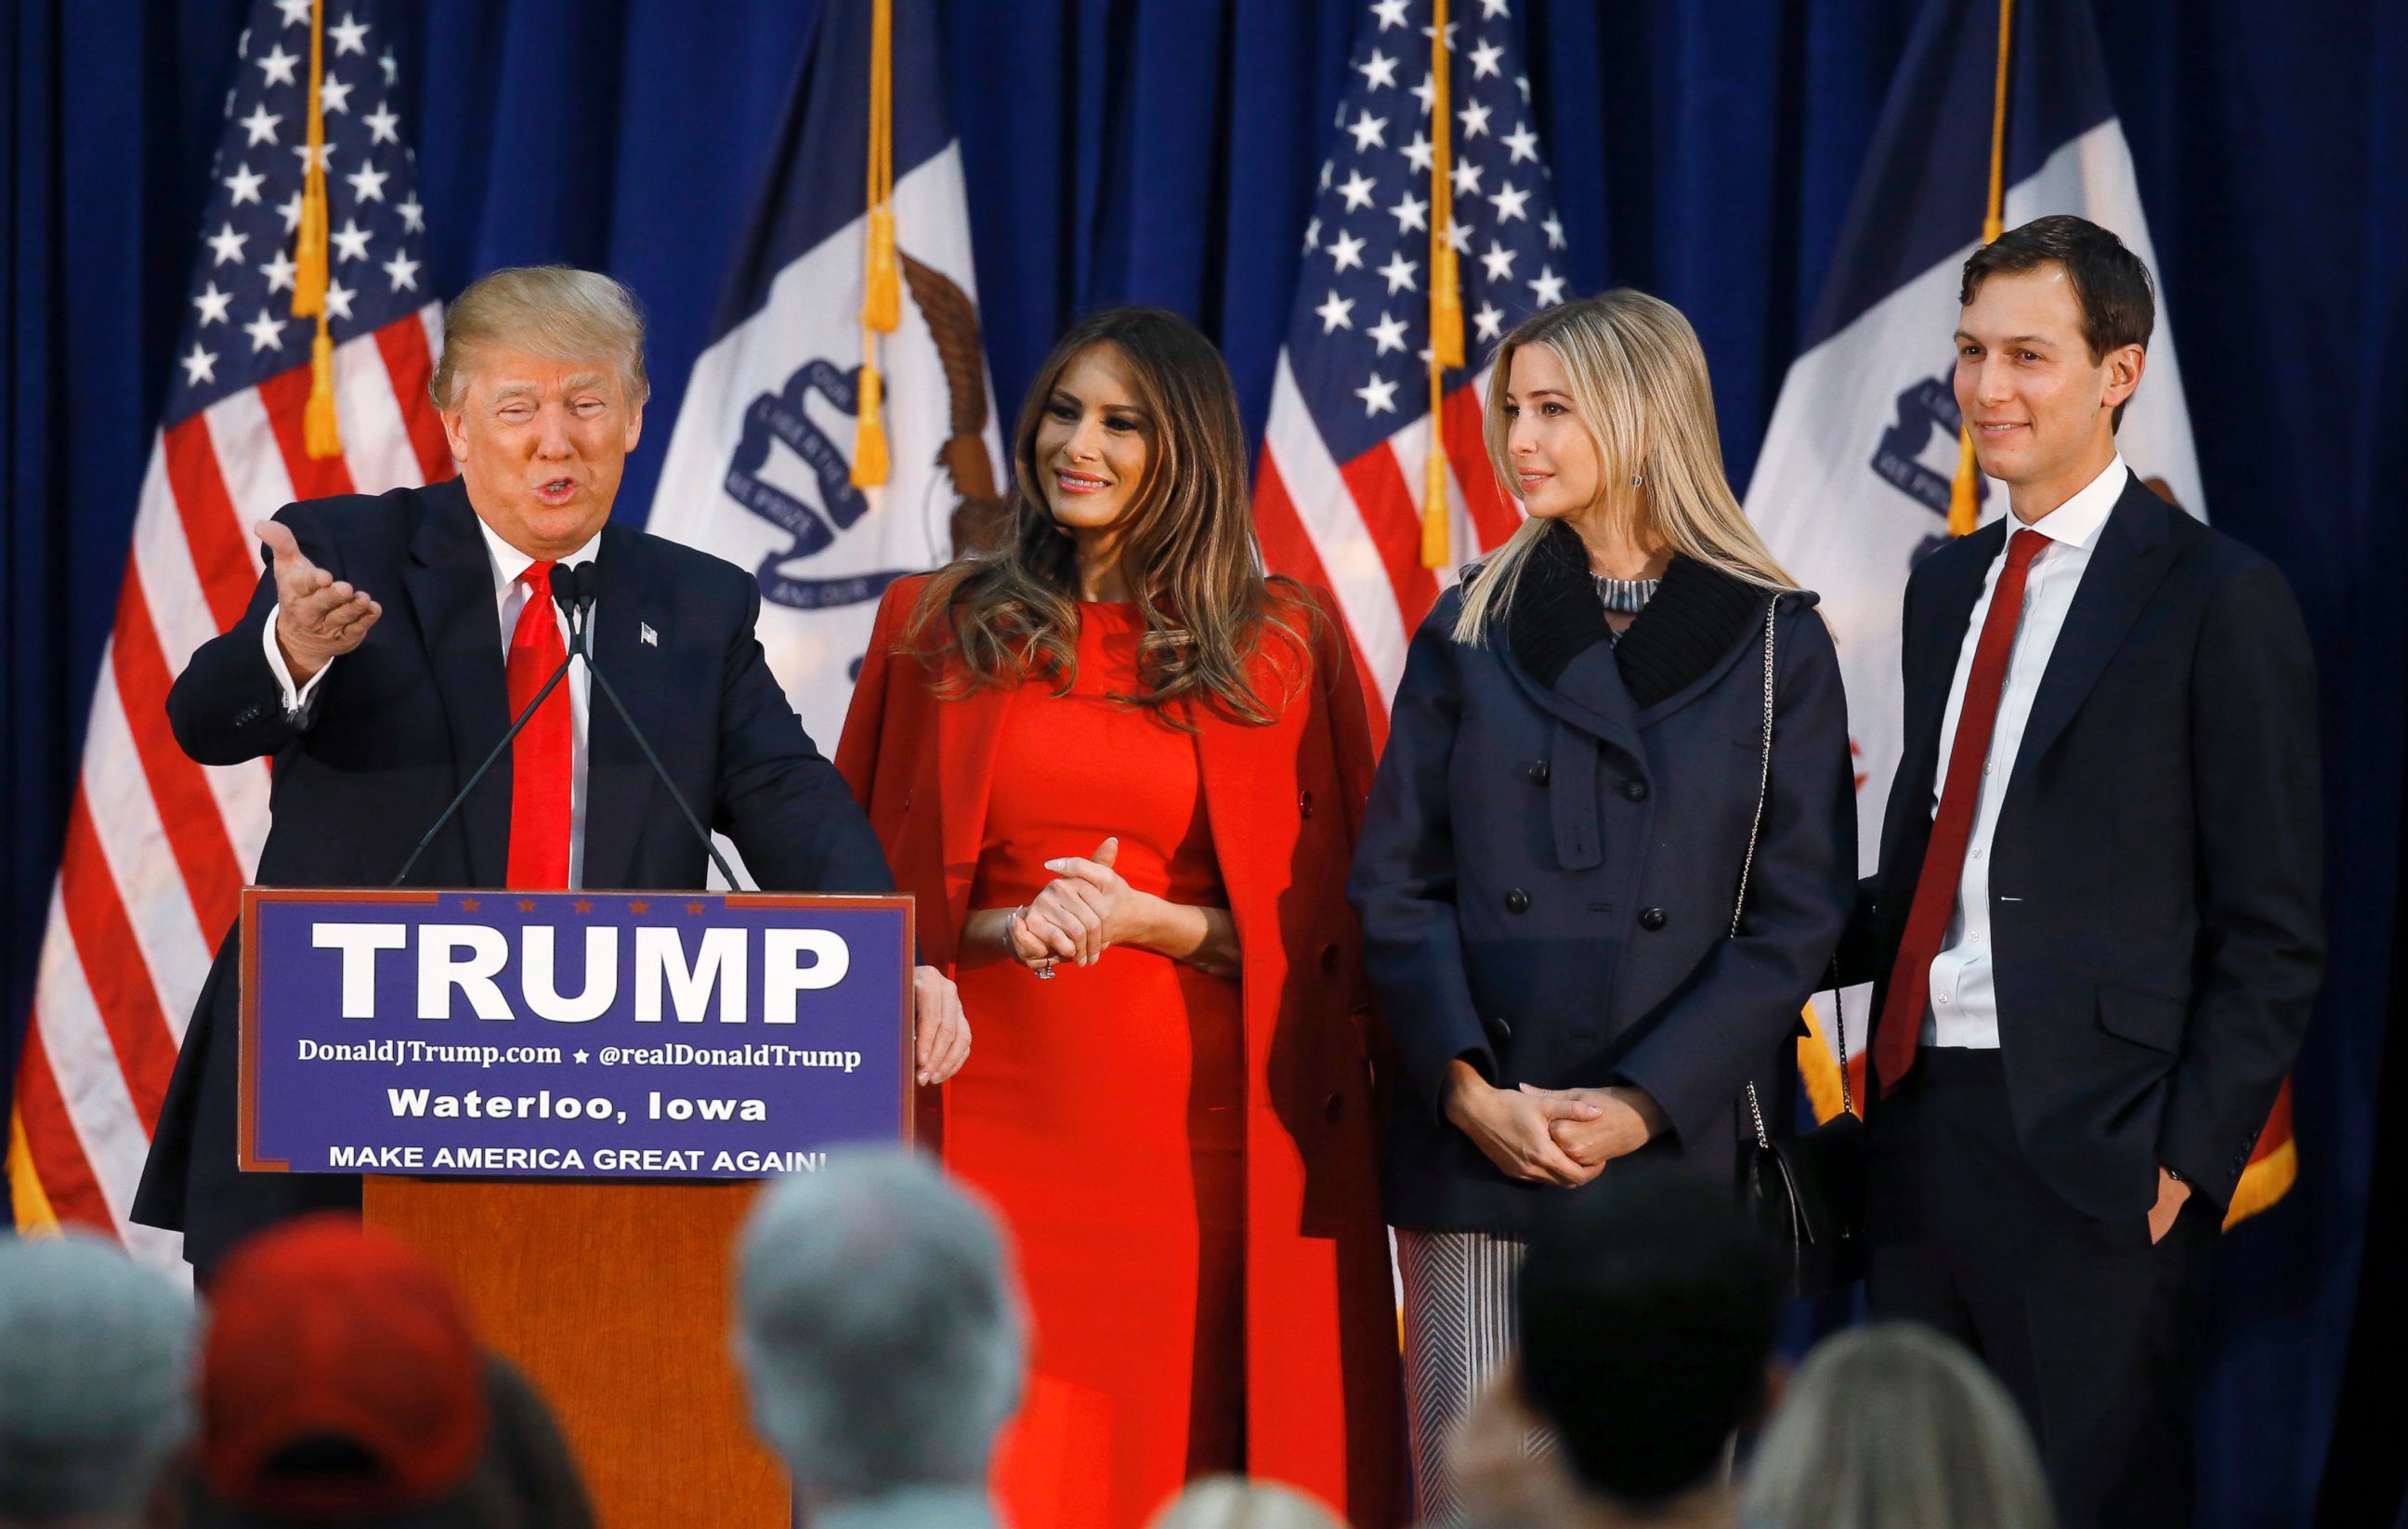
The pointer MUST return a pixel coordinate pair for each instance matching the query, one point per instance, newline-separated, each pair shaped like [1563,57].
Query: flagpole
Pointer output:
[1962,507]
[881,300]
[1447,300]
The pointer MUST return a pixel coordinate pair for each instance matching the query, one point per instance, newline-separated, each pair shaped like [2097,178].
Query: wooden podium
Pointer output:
[615,1298]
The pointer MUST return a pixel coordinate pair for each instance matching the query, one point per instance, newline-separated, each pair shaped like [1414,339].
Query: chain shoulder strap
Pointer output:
[1747,868]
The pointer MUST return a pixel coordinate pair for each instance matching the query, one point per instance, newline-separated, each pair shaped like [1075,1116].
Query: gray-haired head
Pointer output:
[878,1327]
[1893,1426]
[557,312]
[95,1382]
[1232,1502]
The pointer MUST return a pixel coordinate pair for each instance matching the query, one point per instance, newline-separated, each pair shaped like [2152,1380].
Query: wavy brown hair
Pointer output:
[1190,556]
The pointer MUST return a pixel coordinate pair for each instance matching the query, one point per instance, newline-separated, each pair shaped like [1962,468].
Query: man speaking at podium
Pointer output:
[393,641]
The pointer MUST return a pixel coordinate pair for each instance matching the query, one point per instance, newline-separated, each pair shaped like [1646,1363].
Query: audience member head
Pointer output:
[1647,1312]
[340,1378]
[878,1328]
[1232,1502]
[1893,1426]
[96,1385]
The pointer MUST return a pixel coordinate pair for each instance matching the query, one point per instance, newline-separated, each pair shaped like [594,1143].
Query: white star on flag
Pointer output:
[245,183]
[404,272]
[261,124]
[226,244]
[212,305]
[382,124]
[1474,117]
[1410,212]
[200,367]
[1483,60]
[279,272]
[1391,12]
[349,37]
[1522,142]
[351,242]
[1379,395]
[1547,288]
[1369,132]
[1334,313]
[1378,70]
[1388,334]
[278,66]
[1357,190]
[1346,250]
[1399,272]
[1508,202]
[367,184]
[1498,261]
[336,95]
[264,333]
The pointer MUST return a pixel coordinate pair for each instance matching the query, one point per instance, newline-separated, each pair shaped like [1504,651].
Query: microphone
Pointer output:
[582,590]
[562,579]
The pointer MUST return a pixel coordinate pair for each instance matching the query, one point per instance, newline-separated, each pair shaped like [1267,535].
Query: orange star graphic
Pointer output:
[640,907]
[526,905]
[582,905]
[469,903]
[693,907]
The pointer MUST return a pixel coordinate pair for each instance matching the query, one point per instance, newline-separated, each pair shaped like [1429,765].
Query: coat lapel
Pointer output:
[1949,612]
[451,584]
[2130,561]
[1589,695]
[619,782]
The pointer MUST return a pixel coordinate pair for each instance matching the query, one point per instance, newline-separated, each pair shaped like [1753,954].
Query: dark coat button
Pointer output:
[1635,790]
[1518,901]
[1651,919]
[1304,802]
[1334,1108]
[1500,1028]
[1329,956]
[1537,772]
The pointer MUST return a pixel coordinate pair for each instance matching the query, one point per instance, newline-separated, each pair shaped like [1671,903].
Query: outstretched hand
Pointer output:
[318,618]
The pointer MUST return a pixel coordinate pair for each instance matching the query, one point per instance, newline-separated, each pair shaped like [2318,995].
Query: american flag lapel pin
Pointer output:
[645,634]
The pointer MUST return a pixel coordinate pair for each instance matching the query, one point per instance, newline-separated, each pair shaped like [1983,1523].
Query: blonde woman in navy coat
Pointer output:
[1557,837]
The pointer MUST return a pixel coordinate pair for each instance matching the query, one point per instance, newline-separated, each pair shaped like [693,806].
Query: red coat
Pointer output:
[1324,1398]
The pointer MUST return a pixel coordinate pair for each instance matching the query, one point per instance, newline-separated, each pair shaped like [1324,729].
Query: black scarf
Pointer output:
[1698,614]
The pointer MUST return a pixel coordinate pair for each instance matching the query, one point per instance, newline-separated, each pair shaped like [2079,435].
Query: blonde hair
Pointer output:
[1638,386]
[1230,1502]
[557,312]
[1893,1426]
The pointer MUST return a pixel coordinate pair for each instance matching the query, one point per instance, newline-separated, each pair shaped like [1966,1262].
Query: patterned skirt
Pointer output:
[1459,1332]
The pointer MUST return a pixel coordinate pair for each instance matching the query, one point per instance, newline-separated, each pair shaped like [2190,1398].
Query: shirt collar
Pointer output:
[2076,522]
[509,562]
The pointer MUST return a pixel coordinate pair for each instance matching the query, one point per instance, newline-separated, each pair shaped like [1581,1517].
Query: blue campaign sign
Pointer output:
[576,1035]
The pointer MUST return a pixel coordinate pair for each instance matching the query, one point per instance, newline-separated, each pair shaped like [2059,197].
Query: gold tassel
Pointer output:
[1446,314]
[882,306]
[309,259]
[317,431]
[869,433]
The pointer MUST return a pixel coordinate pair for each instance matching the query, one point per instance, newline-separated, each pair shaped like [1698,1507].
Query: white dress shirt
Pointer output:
[510,599]
[1964,994]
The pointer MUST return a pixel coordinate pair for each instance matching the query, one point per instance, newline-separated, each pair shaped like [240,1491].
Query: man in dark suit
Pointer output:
[2097,914]
[392,640]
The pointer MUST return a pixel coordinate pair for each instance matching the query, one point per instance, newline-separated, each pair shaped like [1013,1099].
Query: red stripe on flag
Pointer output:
[196,832]
[1393,519]
[58,1163]
[227,561]
[113,967]
[1289,550]
[286,396]
[1493,515]
[406,361]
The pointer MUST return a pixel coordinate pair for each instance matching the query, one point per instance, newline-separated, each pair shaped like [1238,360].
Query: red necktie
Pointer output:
[541,756]
[1952,827]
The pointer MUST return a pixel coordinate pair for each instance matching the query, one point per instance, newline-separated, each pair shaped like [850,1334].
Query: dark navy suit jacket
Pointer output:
[401,722]
[1545,879]
[2154,876]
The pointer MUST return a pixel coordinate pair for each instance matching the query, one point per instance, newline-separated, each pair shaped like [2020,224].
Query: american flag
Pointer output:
[158,847]
[1338,497]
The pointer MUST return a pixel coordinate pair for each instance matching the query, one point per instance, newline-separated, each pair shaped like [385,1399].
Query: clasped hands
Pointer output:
[1087,908]
[1561,1137]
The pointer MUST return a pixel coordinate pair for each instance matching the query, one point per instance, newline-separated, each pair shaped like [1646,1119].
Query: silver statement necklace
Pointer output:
[1625,596]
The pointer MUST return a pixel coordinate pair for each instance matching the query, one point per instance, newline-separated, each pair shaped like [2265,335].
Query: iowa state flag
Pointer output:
[1853,482]
[760,467]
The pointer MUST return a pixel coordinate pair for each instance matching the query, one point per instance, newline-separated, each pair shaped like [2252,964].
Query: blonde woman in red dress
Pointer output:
[1122,772]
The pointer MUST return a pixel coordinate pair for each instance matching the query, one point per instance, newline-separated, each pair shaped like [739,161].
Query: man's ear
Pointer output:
[634,426]
[458,439]
[2125,365]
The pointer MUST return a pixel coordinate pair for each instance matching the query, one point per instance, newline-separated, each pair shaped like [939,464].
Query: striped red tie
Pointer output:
[541,756]
[1900,1029]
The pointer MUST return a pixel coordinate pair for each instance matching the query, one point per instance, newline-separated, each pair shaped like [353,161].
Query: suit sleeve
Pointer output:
[228,706]
[1798,895]
[1404,877]
[785,806]
[2254,770]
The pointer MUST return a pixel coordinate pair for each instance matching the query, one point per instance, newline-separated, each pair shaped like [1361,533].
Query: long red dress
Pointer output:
[1189,1166]
[1104,1116]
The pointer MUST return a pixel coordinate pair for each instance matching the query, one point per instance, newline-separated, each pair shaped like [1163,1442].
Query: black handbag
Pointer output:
[1807,1191]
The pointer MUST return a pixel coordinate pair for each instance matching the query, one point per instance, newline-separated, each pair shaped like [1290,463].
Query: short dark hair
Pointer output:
[1648,1308]
[2120,306]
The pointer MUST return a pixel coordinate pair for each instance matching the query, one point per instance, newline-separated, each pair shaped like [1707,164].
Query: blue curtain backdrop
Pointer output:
[1163,152]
